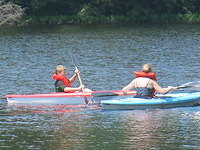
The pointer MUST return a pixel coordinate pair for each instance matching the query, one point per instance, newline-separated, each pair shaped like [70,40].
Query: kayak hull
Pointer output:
[47,100]
[162,101]
[75,98]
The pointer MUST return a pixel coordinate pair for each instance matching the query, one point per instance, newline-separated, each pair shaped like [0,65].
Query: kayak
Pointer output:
[75,98]
[161,101]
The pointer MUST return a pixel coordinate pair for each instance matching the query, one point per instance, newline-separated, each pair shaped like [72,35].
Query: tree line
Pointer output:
[122,10]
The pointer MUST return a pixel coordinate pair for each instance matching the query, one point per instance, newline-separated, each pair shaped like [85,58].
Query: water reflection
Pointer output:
[163,129]
[25,127]
[69,127]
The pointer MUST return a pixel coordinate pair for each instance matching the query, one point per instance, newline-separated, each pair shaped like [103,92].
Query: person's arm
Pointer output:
[72,79]
[162,90]
[129,86]
[71,89]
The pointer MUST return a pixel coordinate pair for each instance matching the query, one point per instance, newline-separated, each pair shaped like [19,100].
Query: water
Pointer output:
[107,55]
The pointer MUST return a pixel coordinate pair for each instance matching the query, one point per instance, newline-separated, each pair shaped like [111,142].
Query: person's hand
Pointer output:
[76,71]
[125,92]
[81,87]
[172,87]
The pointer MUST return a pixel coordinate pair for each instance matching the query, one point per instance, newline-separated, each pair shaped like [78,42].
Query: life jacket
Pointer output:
[150,75]
[62,78]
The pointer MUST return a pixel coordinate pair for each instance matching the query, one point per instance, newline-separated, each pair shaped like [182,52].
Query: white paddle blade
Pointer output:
[195,84]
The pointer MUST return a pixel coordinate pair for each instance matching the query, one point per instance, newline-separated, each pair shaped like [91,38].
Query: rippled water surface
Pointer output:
[107,55]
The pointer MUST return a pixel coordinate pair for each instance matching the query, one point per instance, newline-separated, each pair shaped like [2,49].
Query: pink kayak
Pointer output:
[75,98]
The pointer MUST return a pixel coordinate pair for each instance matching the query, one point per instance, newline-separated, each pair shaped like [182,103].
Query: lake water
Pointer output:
[107,55]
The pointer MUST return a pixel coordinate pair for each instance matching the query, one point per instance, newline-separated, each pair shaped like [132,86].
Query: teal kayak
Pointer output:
[161,101]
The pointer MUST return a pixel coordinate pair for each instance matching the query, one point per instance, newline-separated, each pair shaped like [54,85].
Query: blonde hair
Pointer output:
[60,68]
[147,68]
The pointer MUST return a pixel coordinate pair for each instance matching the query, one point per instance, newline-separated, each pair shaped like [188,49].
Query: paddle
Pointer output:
[195,84]
[103,94]
[74,62]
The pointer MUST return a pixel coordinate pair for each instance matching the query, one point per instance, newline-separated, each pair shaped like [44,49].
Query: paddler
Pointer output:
[62,83]
[145,83]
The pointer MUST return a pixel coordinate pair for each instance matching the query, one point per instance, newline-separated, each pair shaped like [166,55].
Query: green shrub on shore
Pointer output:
[109,11]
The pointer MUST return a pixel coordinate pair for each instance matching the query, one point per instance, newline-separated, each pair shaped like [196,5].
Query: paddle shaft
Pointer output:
[79,78]
[80,81]
[183,87]
[195,84]
[82,89]
[75,65]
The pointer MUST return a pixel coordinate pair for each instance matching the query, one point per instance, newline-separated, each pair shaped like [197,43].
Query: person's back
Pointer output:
[143,87]
[145,83]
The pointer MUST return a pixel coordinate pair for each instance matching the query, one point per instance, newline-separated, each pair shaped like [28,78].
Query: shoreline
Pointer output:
[151,19]
[188,18]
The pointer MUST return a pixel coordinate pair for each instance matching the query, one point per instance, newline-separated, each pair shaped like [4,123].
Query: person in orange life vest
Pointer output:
[62,83]
[145,83]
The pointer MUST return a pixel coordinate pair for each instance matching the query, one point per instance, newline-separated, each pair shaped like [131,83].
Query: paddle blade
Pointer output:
[74,60]
[86,100]
[195,84]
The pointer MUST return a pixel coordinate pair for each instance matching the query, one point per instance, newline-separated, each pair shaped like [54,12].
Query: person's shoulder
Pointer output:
[153,81]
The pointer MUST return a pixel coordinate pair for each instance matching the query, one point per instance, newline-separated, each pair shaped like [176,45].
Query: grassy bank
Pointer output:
[153,18]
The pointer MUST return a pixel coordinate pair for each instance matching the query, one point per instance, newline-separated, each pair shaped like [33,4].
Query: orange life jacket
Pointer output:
[62,78]
[150,75]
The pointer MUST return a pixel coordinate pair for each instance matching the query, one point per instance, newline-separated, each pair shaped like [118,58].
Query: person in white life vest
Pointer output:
[145,83]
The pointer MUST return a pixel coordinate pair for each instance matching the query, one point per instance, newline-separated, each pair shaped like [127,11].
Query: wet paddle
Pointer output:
[81,83]
[74,62]
[195,84]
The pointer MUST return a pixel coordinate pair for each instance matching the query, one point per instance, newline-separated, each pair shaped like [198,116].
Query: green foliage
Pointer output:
[111,11]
